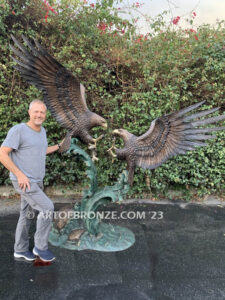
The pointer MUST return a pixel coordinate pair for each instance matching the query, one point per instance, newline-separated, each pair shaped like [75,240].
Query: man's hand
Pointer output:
[23,181]
[5,159]
[65,143]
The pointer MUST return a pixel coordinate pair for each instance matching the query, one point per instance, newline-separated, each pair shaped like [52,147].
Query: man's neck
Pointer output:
[33,126]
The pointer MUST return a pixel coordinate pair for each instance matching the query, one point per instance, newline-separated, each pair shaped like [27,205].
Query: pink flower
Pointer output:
[139,40]
[49,7]
[196,37]
[92,5]
[137,4]
[176,20]
[13,12]
[194,14]
[46,17]
[102,27]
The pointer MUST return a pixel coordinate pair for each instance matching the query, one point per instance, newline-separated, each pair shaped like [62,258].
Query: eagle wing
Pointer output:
[63,94]
[174,134]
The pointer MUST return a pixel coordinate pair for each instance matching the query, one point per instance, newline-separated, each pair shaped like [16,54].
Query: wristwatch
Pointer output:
[59,146]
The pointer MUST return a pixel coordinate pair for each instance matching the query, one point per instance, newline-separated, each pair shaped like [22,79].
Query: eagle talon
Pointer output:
[99,138]
[110,150]
[94,157]
[93,146]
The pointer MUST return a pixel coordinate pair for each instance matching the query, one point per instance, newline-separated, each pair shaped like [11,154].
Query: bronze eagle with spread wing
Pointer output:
[63,94]
[167,136]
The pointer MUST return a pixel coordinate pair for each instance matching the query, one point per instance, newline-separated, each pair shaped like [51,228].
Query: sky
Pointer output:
[207,11]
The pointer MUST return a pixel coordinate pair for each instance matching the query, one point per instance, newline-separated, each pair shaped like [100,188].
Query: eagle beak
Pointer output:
[116,131]
[105,125]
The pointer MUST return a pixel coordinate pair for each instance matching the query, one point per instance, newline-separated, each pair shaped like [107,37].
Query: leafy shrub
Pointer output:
[130,79]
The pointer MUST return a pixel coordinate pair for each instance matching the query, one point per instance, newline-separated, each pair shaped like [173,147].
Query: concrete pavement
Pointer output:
[178,254]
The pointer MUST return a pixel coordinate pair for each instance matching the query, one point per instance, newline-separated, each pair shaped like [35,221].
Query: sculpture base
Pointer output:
[111,238]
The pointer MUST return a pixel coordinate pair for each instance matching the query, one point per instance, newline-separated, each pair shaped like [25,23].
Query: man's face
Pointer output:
[37,114]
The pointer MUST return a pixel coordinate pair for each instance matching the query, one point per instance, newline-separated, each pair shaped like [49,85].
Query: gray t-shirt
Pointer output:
[29,151]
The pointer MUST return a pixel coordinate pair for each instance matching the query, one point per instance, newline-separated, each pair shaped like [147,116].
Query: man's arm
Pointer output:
[9,164]
[52,149]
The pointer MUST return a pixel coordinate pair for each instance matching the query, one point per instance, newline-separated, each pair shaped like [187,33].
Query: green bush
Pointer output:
[130,80]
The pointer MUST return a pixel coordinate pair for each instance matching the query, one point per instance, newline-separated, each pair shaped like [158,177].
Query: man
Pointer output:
[23,153]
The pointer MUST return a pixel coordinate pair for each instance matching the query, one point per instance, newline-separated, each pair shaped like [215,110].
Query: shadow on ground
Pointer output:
[178,254]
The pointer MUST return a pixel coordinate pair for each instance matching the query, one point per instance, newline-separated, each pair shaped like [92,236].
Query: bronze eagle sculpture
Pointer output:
[167,136]
[63,94]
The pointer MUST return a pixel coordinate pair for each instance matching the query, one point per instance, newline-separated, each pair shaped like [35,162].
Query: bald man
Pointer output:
[23,153]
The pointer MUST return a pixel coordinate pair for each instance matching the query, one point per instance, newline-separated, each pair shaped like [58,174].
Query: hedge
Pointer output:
[130,80]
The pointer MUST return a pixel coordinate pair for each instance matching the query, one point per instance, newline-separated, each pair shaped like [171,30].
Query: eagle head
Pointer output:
[96,120]
[123,133]
[102,122]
